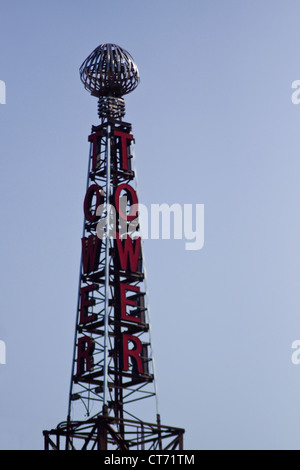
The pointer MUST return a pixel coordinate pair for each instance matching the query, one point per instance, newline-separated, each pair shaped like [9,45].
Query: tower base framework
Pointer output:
[100,433]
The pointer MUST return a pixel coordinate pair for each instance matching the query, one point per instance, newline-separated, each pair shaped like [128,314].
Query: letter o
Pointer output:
[133,201]
[89,213]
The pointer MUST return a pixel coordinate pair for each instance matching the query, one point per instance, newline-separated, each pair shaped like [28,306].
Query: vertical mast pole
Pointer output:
[106,308]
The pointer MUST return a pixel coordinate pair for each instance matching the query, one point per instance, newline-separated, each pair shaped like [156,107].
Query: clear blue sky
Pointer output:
[214,124]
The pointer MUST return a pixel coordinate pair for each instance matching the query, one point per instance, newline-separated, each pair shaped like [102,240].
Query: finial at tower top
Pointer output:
[109,72]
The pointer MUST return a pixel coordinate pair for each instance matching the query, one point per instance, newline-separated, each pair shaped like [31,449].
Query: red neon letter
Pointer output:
[133,200]
[129,252]
[85,303]
[91,248]
[124,138]
[85,355]
[94,139]
[93,190]
[135,353]
[125,301]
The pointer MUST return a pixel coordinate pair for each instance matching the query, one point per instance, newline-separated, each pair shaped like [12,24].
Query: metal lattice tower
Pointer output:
[113,366]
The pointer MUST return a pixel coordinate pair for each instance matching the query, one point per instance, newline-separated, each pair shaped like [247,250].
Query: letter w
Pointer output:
[129,252]
[91,248]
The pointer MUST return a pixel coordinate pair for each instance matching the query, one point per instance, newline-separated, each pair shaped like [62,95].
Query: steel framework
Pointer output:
[113,366]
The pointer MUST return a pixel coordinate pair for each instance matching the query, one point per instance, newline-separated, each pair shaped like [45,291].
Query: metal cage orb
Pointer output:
[109,71]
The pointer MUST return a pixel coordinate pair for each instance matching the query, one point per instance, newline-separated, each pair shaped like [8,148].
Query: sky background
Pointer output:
[214,124]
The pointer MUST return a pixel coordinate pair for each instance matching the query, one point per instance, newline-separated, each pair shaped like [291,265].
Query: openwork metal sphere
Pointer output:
[109,71]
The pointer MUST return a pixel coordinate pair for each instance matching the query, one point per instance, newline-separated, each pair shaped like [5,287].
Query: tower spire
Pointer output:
[109,73]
